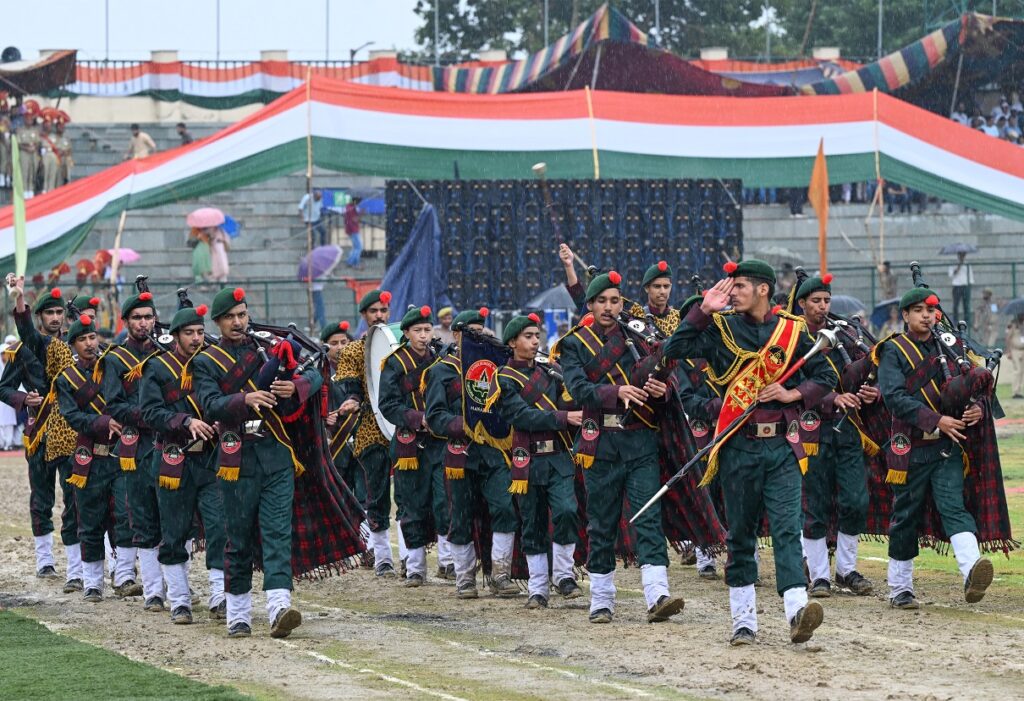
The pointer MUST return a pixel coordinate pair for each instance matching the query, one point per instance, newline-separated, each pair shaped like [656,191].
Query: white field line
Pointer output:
[371,672]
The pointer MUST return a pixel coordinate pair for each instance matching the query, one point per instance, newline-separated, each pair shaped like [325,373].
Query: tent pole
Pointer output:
[309,194]
[956,83]
[879,182]
[593,133]
[115,264]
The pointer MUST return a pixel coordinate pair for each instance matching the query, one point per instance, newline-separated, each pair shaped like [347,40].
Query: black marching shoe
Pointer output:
[601,616]
[820,589]
[47,572]
[905,600]
[805,622]
[743,636]
[73,585]
[537,601]
[181,616]
[855,582]
[414,579]
[93,595]
[385,570]
[978,580]
[569,588]
[287,620]
[666,607]
[155,604]
[707,572]
[219,612]
[446,572]
[129,588]
[239,630]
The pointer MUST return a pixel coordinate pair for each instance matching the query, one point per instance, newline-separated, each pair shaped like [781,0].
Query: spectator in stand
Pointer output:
[319,311]
[140,145]
[443,329]
[786,279]
[990,127]
[183,134]
[897,195]
[962,277]
[960,114]
[202,265]
[1015,353]
[796,202]
[352,229]
[311,210]
[10,436]
[5,149]
[985,319]
[220,244]
[894,324]
[887,281]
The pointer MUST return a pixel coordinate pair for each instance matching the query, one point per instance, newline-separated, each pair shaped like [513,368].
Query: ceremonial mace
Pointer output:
[826,339]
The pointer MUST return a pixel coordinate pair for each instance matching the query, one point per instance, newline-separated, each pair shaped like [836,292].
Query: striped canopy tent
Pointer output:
[580,134]
[970,51]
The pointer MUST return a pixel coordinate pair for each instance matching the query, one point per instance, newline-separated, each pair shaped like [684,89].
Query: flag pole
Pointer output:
[18,194]
[309,195]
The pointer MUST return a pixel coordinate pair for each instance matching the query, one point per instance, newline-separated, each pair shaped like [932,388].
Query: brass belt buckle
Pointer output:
[612,421]
[767,430]
[252,427]
[101,451]
[544,447]
[933,436]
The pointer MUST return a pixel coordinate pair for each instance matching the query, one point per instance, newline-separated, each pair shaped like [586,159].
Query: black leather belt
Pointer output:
[543,447]
[772,429]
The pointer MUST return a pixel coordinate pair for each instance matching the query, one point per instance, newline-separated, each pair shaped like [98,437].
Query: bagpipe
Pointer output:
[976,365]
[634,327]
[284,351]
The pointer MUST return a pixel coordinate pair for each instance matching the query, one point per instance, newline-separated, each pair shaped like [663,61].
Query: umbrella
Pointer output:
[846,305]
[556,297]
[205,217]
[374,205]
[955,248]
[1014,307]
[880,314]
[777,255]
[364,193]
[231,227]
[324,258]
[125,255]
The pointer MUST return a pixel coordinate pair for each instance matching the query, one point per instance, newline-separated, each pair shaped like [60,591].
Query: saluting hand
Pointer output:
[717,298]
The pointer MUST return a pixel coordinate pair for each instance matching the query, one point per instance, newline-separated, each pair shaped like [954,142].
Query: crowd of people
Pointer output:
[793,424]
[1004,121]
[43,148]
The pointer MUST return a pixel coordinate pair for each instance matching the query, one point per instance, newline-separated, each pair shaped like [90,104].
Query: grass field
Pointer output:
[39,664]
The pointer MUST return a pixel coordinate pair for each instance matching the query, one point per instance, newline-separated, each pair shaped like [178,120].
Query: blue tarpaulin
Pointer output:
[416,275]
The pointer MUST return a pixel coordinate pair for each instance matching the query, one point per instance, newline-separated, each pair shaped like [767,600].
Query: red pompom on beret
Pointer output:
[614,277]
[146,296]
[343,326]
[85,320]
[385,297]
[202,309]
[484,311]
[95,302]
[730,267]
[662,266]
[534,318]
[827,278]
[55,293]
[238,294]
[425,311]
[931,300]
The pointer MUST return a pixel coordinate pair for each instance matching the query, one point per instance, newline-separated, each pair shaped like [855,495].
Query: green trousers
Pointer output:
[94,514]
[259,505]
[836,473]
[353,474]
[421,496]
[762,476]
[122,526]
[42,495]
[376,463]
[549,508]
[944,478]
[606,483]
[198,491]
[143,505]
[487,478]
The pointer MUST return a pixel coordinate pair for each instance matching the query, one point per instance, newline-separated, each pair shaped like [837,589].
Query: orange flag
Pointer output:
[817,195]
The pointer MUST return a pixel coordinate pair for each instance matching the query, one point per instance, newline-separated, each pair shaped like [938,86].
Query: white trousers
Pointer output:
[151,573]
[277,601]
[901,577]
[816,552]
[966,551]
[74,555]
[124,566]
[602,592]
[416,562]
[177,586]
[444,552]
[216,578]
[44,551]
[240,609]
[380,542]
[655,581]
[743,607]
[501,550]
[846,553]
[562,561]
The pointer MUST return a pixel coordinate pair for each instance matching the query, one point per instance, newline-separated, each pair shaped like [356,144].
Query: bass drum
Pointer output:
[380,341]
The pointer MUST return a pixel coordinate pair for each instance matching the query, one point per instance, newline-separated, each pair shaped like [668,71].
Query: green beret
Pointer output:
[659,269]
[603,282]
[143,299]
[690,301]
[331,329]
[49,300]
[470,316]
[79,327]
[752,268]
[85,303]
[372,297]
[224,300]
[518,325]
[188,316]
[417,315]
[815,284]
[918,295]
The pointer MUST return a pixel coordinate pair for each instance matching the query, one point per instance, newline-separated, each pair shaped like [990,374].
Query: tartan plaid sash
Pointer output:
[539,391]
[238,375]
[86,394]
[172,458]
[130,375]
[343,430]
[411,383]
[700,427]
[922,384]
[456,449]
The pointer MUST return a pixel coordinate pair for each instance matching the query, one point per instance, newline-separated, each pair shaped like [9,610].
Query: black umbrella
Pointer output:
[880,314]
[845,305]
[1014,307]
[555,298]
[955,248]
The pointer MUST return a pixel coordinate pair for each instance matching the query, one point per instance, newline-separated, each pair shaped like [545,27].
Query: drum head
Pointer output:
[380,341]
